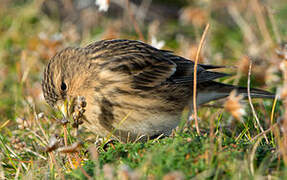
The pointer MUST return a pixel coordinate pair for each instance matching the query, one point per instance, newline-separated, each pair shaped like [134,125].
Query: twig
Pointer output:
[250,102]
[195,78]
[265,132]
[35,153]
[66,144]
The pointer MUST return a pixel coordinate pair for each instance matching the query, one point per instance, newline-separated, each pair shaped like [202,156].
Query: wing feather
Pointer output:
[148,67]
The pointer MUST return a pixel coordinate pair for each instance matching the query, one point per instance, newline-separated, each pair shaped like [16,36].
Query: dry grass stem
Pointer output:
[243,25]
[272,115]
[66,145]
[265,132]
[251,105]
[195,77]
[132,18]
[40,126]
[274,25]
[252,155]
[35,153]
[261,22]
[4,124]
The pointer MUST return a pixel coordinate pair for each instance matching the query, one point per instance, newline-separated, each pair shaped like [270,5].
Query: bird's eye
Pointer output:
[63,86]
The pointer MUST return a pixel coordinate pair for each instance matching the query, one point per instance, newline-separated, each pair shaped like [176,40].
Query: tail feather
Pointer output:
[207,66]
[211,90]
[254,93]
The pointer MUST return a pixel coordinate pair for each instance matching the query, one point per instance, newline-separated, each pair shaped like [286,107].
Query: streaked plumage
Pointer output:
[130,79]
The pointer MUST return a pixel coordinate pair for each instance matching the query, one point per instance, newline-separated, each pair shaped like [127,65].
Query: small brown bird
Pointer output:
[131,88]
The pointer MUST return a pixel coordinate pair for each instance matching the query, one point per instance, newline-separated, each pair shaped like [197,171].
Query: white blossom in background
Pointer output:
[157,44]
[103,5]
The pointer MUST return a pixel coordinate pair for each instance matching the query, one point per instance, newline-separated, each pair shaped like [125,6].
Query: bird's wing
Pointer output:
[185,70]
[148,66]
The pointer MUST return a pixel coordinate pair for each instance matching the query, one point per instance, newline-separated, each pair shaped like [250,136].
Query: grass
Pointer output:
[29,36]
[195,156]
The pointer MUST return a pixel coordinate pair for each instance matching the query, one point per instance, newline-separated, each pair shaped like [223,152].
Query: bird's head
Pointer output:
[64,77]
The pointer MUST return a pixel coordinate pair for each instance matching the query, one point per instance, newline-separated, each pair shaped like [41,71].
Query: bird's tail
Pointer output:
[212,90]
